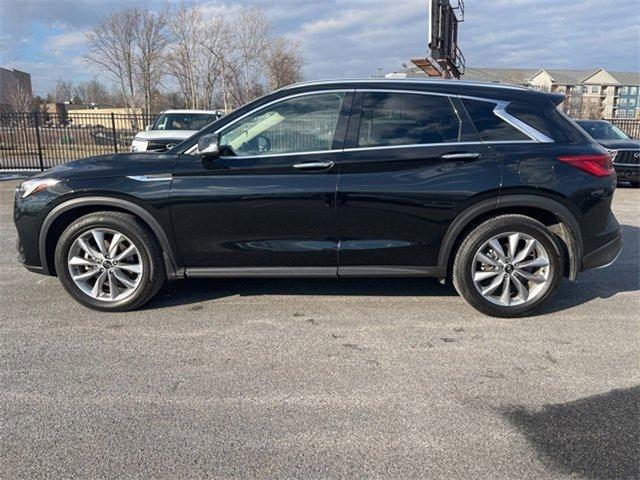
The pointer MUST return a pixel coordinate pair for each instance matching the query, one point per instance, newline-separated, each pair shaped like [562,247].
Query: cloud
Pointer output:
[63,42]
[350,38]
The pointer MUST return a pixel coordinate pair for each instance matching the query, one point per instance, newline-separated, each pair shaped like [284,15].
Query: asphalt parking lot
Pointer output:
[387,378]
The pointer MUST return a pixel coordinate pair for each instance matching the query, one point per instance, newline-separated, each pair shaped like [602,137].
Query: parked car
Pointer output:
[172,127]
[487,185]
[625,150]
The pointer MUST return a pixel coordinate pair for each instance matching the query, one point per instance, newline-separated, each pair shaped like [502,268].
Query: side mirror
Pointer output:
[147,128]
[208,146]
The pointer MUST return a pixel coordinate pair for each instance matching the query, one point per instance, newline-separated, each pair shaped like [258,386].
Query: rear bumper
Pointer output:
[603,256]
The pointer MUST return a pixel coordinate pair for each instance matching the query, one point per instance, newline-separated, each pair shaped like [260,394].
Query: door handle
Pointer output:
[460,156]
[313,165]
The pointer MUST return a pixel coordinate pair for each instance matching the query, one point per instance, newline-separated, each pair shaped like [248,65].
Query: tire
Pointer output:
[124,283]
[545,248]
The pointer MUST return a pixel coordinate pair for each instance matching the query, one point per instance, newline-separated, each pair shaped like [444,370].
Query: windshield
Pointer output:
[183,121]
[603,131]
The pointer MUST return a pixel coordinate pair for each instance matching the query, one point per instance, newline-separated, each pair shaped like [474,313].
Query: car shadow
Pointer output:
[198,290]
[596,437]
[622,276]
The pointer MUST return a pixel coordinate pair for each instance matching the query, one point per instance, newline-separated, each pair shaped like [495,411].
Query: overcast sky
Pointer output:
[350,38]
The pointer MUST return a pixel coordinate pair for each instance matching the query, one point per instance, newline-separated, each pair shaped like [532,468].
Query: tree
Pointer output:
[218,45]
[283,63]
[184,51]
[19,97]
[112,46]
[252,31]
[151,41]
[62,92]
[591,109]
[92,92]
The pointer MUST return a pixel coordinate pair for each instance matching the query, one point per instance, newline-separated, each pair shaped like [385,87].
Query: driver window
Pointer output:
[300,124]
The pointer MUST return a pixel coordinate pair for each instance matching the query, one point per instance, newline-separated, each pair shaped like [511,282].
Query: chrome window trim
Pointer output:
[525,128]
[268,104]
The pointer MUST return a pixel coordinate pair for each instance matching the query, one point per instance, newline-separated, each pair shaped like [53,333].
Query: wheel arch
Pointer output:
[557,217]
[63,214]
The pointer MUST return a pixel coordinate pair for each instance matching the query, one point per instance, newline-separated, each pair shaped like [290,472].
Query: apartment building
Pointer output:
[589,93]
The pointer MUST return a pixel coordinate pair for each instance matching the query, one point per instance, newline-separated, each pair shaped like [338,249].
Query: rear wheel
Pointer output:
[508,265]
[109,261]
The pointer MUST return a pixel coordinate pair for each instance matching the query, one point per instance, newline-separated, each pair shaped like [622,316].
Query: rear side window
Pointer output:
[490,127]
[547,119]
[406,119]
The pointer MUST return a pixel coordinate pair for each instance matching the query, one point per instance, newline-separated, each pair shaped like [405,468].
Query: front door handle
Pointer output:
[313,165]
[460,156]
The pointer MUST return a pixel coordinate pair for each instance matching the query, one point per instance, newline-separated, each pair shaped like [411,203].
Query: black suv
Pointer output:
[485,184]
[625,150]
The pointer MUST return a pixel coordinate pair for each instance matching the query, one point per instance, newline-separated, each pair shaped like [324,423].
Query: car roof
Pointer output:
[497,91]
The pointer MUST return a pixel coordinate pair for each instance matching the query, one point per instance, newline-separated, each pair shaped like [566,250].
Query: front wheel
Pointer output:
[109,261]
[508,265]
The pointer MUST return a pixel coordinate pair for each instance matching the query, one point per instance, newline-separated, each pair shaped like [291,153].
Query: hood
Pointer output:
[164,134]
[113,165]
[620,144]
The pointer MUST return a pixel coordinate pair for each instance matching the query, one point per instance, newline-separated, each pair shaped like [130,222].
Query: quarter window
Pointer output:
[295,125]
[491,128]
[390,119]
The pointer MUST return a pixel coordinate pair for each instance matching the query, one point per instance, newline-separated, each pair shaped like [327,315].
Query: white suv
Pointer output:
[171,127]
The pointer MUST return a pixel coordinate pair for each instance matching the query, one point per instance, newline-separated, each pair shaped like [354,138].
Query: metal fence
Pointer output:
[630,126]
[41,140]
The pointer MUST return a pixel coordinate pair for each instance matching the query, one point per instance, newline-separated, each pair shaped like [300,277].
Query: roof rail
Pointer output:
[403,80]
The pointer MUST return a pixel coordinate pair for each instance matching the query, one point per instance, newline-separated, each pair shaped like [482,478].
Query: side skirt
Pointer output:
[314,272]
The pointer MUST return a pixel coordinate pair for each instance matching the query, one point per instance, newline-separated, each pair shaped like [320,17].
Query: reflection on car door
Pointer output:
[412,162]
[269,200]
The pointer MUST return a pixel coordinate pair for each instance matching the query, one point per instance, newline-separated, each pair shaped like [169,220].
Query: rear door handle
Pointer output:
[313,165]
[460,156]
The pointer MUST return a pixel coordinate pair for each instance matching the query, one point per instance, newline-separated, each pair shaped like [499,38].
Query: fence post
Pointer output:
[113,132]
[38,141]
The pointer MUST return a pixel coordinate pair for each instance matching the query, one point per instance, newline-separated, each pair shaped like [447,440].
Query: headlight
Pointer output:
[139,145]
[35,185]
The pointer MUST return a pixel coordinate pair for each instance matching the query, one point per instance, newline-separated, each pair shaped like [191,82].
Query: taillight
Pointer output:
[600,165]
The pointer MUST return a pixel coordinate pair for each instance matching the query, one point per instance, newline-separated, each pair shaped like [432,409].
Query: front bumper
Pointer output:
[603,256]
[627,172]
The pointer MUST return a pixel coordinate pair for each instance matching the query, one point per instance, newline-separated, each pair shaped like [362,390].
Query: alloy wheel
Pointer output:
[510,269]
[105,264]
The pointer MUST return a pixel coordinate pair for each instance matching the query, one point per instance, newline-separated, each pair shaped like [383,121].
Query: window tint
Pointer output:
[300,124]
[489,126]
[406,119]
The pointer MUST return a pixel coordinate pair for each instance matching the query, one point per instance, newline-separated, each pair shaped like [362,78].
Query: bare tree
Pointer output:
[184,51]
[19,97]
[252,31]
[283,63]
[591,109]
[62,91]
[92,92]
[151,40]
[218,51]
[112,46]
